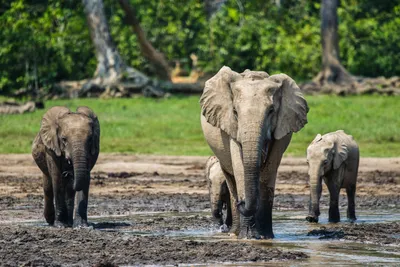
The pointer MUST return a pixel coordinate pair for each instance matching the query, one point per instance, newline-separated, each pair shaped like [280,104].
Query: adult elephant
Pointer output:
[248,120]
[66,149]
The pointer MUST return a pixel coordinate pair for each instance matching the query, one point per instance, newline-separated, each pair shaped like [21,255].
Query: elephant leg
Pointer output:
[59,196]
[81,204]
[267,186]
[266,200]
[264,213]
[228,220]
[70,198]
[235,215]
[334,190]
[49,212]
[351,193]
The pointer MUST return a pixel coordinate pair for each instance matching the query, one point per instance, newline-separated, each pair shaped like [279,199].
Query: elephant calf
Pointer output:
[219,192]
[333,157]
[66,149]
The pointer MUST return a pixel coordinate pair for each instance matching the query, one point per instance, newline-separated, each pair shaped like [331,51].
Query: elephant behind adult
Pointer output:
[66,149]
[219,194]
[248,120]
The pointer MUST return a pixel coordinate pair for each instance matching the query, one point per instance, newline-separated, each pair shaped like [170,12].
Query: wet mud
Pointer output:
[378,233]
[34,246]
[155,210]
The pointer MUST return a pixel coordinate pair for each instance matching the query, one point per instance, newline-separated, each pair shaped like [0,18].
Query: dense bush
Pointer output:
[42,42]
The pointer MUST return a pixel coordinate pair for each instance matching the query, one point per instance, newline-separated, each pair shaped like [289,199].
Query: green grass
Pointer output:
[171,126]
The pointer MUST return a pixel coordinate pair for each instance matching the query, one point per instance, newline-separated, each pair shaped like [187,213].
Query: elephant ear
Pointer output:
[292,114]
[340,155]
[95,127]
[217,101]
[49,128]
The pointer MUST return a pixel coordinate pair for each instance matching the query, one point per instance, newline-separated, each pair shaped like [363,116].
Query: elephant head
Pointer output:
[74,136]
[254,109]
[324,154]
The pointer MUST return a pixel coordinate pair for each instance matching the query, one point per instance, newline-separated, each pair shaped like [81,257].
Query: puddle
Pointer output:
[291,231]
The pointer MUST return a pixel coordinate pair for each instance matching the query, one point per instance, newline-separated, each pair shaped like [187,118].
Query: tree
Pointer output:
[332,69]
[157,59]
[111,70]
[109,62]
[112,76]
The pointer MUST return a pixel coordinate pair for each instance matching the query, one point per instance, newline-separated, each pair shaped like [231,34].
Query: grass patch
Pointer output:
[172,126]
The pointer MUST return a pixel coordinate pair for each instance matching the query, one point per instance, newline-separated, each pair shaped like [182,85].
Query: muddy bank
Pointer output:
[35,246]
[127,189]
[378,233]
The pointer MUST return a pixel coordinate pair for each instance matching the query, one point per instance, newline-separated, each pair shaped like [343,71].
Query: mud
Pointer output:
[379,233]
[155,210]
[33,246]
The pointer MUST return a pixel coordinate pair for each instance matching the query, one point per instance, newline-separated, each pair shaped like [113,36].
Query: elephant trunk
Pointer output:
[251,153]
[315,195]
[80,163]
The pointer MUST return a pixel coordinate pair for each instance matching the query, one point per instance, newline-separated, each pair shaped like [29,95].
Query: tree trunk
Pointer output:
[111,69]
[212,6]
[332,70]
[278,3]
[113,78]
[157,59]
[109,62]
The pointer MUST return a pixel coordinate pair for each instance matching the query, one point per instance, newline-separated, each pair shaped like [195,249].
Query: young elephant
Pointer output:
[333,157]
[219,192]
[66,149]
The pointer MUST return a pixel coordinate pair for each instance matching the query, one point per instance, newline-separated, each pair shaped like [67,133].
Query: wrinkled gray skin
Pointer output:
[66,149]
[248,120]
[333,157]
[219,193]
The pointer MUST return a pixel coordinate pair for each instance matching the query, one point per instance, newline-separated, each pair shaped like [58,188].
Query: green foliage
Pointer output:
[45,41]
[42,42]
[369,37]
[172,126]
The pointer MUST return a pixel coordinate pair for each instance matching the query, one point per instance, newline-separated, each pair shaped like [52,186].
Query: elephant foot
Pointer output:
[59,224]
[266,233]
[80,223]
[351,216]
[50,219]
[334,220]
[249,233]
[334,216]
[248,229]
[267,236]
[312,219]
[352,219]
[224,228]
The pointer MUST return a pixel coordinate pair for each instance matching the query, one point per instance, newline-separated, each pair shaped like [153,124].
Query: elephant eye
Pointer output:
[64,140]
[270,110]
[325,161]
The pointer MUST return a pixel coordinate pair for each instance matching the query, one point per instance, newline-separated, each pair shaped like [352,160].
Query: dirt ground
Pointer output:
[124,187]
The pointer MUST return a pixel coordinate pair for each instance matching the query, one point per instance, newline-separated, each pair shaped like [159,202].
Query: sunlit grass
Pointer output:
[171,126]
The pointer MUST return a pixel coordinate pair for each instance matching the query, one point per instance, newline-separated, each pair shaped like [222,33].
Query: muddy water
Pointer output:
[290,230]
[155,211]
